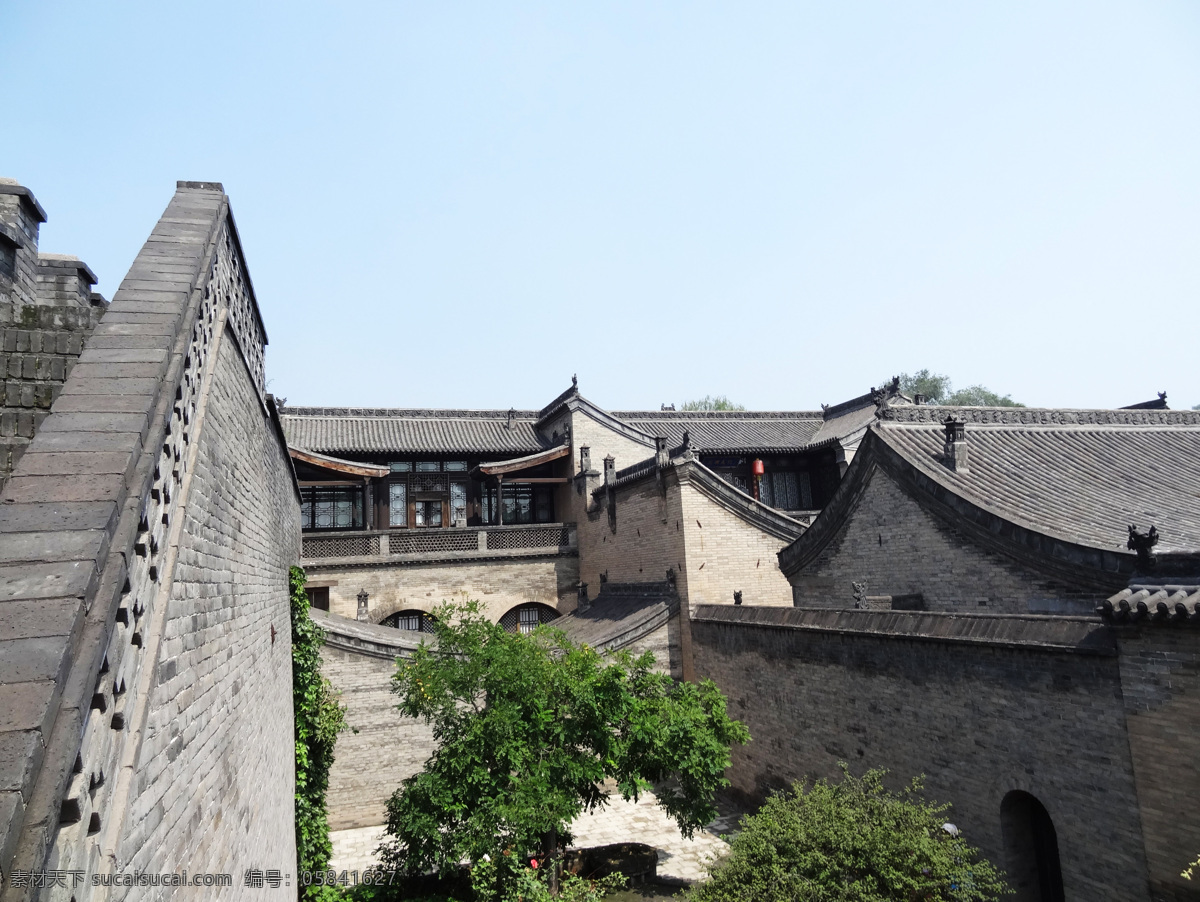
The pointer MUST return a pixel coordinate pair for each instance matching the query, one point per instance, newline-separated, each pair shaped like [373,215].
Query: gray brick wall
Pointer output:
[216,771]
[369,765]
[978,721]
[1160,681]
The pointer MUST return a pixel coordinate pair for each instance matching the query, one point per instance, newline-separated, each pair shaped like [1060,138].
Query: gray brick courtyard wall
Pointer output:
[980,705]
[144,540]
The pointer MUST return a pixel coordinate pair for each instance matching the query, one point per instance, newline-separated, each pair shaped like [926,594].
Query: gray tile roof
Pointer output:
[1081,476]
[356,430]
[729,430]
[620,614]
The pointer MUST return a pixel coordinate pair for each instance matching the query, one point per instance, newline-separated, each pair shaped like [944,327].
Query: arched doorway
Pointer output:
[525,618]
[419,621]
[1030,849]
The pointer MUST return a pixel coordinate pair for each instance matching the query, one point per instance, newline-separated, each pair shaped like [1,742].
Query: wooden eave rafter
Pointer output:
[335,465]
[524,463]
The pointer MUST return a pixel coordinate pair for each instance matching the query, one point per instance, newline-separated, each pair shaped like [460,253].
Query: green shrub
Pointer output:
[849,842]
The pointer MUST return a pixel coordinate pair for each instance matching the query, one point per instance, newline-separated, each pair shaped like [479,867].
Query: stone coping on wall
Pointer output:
[1080,635]
[367,638]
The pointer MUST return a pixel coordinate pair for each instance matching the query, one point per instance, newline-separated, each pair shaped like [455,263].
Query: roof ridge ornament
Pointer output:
[1141,543]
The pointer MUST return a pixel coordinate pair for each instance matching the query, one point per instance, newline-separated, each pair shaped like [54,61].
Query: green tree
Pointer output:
[849,842]
[938,389]
[528,727]
[319,719]
[708,402]
[934,386]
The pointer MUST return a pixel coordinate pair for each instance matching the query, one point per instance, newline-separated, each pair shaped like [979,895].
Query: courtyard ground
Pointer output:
[679,860]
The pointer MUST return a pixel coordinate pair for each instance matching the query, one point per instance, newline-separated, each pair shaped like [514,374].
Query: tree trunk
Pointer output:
[551,859]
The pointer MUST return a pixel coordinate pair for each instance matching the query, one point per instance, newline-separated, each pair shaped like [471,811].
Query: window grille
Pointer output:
[522,504]
[456,466]
[458,501]
[786,491]
[428,514]
[401,466]
[526,618]
[337,507]
[398,504]
[428,466]
[429,483]
[417,621]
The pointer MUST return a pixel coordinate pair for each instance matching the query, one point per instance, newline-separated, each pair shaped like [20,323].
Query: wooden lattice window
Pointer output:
[417,621]
[398,503]
[525,618]
[333,507]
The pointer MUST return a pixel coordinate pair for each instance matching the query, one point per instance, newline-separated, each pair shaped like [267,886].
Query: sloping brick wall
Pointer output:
[216,769]
[129,703]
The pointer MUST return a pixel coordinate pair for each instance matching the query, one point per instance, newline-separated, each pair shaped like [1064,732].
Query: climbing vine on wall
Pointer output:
[319,719]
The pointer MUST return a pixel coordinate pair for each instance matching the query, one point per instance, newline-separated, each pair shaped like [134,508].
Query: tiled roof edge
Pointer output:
[1040,416]
[718,414]
[430,413]
[1076,635]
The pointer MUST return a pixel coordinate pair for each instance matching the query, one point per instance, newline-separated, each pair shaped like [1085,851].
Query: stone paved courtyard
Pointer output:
[679,859]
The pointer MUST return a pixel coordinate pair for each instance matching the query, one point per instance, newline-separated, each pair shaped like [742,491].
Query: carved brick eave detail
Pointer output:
[1057,558]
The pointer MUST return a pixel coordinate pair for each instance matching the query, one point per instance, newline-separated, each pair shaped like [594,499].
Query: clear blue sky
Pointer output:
[450,204]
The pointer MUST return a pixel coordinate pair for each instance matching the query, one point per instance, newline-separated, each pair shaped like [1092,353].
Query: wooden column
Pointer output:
[499,500]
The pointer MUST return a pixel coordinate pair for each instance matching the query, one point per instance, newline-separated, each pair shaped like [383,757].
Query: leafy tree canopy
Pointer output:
[938,389]
[528,727]
[849,842]
[709,402]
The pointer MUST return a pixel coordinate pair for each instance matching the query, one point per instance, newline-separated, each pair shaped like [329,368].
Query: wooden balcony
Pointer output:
[423,545]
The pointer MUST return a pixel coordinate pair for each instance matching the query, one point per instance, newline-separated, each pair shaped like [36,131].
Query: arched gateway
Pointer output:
[1030,849]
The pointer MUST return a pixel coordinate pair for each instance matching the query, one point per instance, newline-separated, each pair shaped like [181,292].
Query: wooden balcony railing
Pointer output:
[436,542]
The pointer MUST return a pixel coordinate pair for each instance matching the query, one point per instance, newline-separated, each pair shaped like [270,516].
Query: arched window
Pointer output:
[1031,849]
[526,618]
[418,621]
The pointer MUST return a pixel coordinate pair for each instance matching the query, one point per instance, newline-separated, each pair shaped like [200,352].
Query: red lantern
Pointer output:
[757,468]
